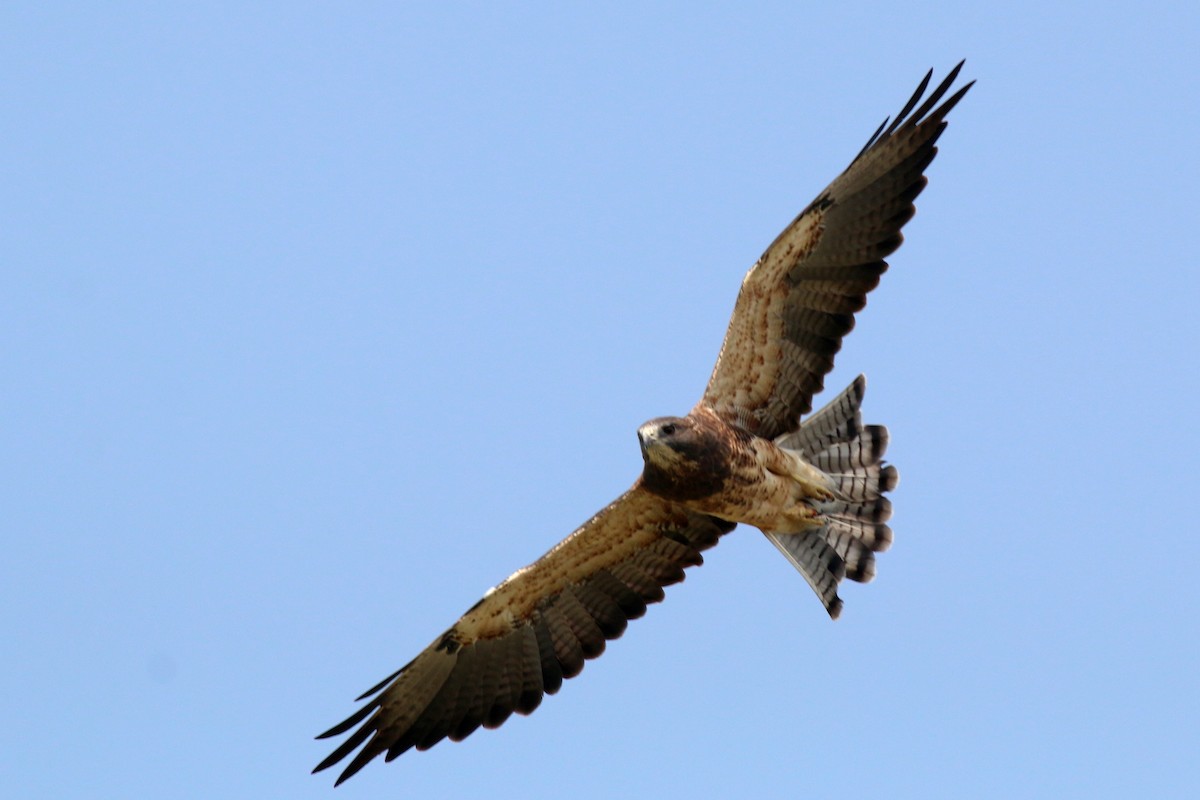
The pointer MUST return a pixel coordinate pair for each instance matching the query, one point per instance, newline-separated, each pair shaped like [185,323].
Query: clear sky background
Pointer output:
[319,319]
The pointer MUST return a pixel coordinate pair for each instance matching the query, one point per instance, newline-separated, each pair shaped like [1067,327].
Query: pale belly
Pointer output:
[775,492]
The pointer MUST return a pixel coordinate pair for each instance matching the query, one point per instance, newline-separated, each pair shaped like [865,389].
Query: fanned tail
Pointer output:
[854,525]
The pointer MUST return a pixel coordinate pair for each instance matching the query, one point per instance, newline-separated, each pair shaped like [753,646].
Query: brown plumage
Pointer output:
[815,488]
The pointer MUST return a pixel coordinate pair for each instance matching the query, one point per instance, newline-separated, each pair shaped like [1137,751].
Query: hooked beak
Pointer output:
[646,434]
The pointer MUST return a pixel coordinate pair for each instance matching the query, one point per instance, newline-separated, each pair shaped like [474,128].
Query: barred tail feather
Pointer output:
[854,525]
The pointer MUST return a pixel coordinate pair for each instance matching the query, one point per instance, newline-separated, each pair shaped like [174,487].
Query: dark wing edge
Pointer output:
[799,300]
[493,662]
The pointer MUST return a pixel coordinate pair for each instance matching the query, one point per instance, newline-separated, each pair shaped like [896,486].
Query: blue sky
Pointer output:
[319,319]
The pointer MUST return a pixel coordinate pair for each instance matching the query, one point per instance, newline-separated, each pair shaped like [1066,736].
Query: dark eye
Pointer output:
[668,429]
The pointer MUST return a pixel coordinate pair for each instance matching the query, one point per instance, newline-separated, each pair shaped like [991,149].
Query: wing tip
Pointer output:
[834,607]
[908,118]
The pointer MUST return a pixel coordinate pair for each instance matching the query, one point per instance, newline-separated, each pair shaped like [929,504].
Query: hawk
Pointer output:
[815,487]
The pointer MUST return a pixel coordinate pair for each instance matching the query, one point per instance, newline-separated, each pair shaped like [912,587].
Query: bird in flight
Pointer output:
[815,487]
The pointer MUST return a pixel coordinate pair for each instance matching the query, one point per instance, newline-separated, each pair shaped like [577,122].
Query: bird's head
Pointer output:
[666,442]
[682,457]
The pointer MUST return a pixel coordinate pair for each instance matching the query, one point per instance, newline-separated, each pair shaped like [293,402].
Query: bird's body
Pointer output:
[713,467]
[815,487]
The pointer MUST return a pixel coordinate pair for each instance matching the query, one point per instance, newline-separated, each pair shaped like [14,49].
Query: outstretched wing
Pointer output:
[799,300]
[532,631]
